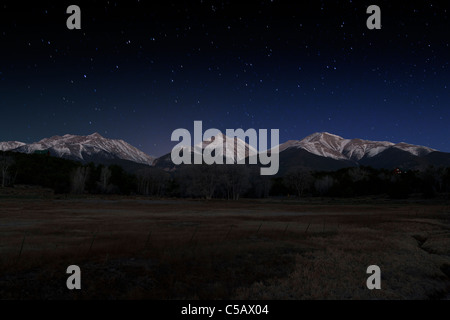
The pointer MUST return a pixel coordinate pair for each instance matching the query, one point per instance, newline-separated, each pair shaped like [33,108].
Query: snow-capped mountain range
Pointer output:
[10,145]
[219,143]
[83,148]
[319,151]
[222,143]
[328,145]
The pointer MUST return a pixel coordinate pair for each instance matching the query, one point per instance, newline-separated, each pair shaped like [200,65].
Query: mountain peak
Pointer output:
[240,148]
[10,145]
[329,145]
[95,135]
[86,148]
[324,134]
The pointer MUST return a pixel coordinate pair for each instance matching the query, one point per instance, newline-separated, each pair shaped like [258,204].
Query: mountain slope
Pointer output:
[398,158]
[294,158]
[394,158]
[239,149]
[93,148]
[354,152]
[319,151]
[10,145]
[332,146]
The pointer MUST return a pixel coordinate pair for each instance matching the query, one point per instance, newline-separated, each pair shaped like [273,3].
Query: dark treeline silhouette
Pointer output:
[217,181]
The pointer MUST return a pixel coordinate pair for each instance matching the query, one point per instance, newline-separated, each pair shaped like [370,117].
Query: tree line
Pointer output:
[217,181]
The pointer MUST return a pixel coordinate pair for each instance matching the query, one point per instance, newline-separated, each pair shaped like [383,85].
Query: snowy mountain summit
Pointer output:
[87,148]
[335,150]
[332,146]
[10,145]
[222,144]
[237,147]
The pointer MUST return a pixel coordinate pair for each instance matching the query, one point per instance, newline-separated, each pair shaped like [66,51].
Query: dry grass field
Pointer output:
[138,248]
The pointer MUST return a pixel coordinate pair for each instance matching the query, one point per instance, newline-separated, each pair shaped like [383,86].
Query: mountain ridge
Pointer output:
[320,150]
[336,147]
[93,147]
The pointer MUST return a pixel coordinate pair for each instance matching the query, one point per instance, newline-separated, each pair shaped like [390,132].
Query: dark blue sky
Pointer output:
[137,72]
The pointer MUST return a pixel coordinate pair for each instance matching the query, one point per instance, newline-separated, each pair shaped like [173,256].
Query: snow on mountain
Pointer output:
[332,146]
[95,147]
[324,144]
[356,149]
[80,147]
[241,149]
[10,145]
[415,150]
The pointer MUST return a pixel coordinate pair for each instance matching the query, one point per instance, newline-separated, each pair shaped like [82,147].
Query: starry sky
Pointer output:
[138,70]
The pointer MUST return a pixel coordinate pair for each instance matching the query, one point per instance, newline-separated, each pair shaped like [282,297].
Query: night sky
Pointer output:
[137,70]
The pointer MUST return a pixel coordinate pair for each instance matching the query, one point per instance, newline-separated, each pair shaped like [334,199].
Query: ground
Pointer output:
[140,248]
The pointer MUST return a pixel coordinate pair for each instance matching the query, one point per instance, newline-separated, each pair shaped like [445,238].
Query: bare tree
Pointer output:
[358,174]
[236,180]
[209,180]
[260,184]
[143,182]
[152,181]
[200,180]
[105,177]
[439,180]
[324,184]
[432,180]
[299,179]
[79,178]
[5,164]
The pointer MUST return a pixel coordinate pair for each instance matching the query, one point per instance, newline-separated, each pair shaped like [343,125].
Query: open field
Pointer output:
[136,248]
